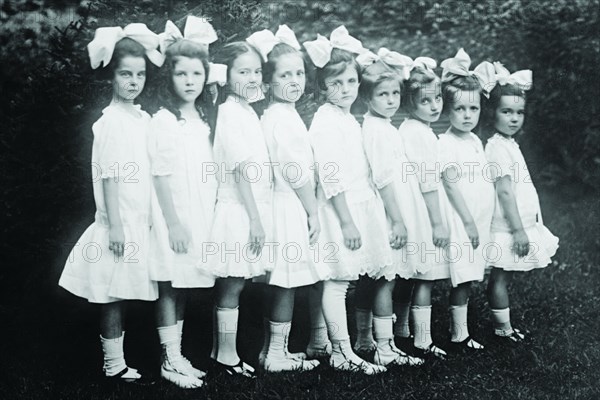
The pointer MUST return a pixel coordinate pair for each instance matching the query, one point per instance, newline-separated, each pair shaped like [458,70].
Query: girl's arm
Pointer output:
[399,234]
[458,202]
[306,194]
[116,236]
[506,197]
[257,233]
[440,233]
[351,234]
[178,236]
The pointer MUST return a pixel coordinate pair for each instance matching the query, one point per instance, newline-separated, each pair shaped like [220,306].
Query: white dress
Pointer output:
[182,151]
[466,162]
[343,168]
[385,151]
[92,271]
[505,158]
[239,138]
[296,263]
[421,147]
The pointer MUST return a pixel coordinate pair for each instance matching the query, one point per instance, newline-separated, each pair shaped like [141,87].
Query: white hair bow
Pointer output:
[424,62]
[523,78]
[102,47]
[217,73]
[197,30]
[390,59]
[459,66]
[319,50]
[264,41]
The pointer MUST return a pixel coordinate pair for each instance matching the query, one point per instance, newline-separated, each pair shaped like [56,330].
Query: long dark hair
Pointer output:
[167,98]
[488,115]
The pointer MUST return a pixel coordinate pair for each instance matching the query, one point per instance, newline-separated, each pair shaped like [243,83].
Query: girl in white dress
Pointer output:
[109,263]
[354,232]
[469,191]
[423,100]
[243,215]
[380,89]
[180,150]
[520,241]
[295,212]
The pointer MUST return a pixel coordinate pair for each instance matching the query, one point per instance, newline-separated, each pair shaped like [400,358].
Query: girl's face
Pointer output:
[464,112]
[509,115]
[385,99]
[342,89]
[289,79]
[428,103]
[245,76]
[188,79]
[129,78]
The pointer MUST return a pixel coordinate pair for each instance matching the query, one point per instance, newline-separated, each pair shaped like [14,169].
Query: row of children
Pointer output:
[350,209]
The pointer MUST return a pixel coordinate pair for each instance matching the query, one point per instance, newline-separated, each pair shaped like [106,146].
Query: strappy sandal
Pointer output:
[468,344]
[240,369]
[119,379]
[432,351]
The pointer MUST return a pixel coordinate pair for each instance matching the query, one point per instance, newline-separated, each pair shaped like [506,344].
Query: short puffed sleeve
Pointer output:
[421,147]
[112,146]
[162,143]
[232,133]
[379,148]
[293,152]
[330,158]
[498,153]
[447,152]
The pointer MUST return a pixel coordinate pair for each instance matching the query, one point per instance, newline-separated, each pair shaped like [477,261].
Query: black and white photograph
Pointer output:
[312,199]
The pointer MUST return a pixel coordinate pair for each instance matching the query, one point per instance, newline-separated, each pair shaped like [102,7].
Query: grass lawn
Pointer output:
[51,348]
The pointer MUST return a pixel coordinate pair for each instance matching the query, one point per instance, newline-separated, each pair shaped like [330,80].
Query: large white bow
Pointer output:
[217,73]
[264,41]
[390,59]
[523,78]
[424,62]
[319,50]
[102,47]
[197,30]
[459,66]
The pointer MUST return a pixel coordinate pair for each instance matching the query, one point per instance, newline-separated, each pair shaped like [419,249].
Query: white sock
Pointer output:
[170,340]
[364,328]
[227,323]
[459,330]
[180,327]
[384,329]
[401,327]
[114,358]
[501,320]
[279,333]
[334,310]
[422,323]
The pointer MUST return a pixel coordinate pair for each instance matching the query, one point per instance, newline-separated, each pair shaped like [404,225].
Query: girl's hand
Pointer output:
[441,238]
[116,240]
[179,238]
[521,243]
[473,234]
[314,229]
[352,238]
[399,236]
[256,237]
